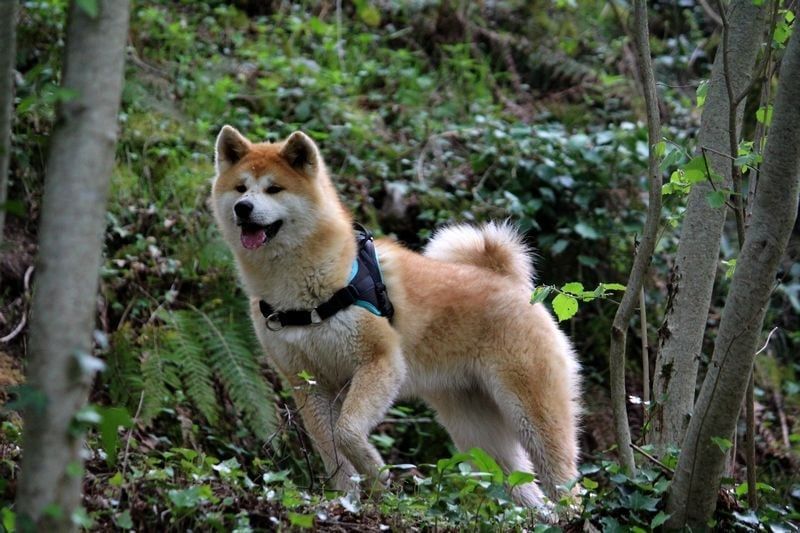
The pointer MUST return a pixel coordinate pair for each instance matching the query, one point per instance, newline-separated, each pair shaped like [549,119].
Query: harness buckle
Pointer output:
[274,322]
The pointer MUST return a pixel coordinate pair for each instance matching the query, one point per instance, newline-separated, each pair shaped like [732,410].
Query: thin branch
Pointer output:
[644,253]
[655,461]
[733,105]
[767,341]
[26,283]
[17,330]
[713,15]
[645,352]
[128,439]
[764,67]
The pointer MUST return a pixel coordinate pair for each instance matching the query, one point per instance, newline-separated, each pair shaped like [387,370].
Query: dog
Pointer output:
[463,337]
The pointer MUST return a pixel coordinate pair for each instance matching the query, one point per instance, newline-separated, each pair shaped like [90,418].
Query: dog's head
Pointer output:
[267,196]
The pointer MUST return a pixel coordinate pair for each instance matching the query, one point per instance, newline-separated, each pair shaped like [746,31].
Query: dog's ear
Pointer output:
[301,153]
[231,147]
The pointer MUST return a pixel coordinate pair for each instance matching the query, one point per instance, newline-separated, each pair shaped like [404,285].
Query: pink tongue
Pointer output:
[253,239]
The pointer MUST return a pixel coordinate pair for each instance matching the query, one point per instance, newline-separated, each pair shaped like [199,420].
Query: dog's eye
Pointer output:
[241,188]
[274,189]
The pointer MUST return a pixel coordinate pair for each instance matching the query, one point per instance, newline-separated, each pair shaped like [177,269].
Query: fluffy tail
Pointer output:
[494,246]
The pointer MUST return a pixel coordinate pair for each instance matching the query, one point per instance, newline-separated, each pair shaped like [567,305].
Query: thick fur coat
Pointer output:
[497,370]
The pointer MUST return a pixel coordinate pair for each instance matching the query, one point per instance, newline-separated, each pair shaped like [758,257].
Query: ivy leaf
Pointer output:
[111,418]
[715,199]
[586,231]
[660,148]
[540,294]
[565,306]
[370,15]
[305,521]
[764,115]
[589,484]
[520,478]
[574,287]
[89,7]
[696,170]
[724,444]
[730,268]
[659,520]
[123,520]
[486,463]
[702,91]
[640,502]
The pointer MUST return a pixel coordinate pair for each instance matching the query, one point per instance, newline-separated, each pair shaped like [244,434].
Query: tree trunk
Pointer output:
[70,242]
[644,253]
[8,52]
[693,494]
[698,251]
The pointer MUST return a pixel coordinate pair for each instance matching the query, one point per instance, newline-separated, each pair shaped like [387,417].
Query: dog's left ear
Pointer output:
[301,153]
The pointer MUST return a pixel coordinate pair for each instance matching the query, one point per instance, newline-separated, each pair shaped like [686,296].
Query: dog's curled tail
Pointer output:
[495,246]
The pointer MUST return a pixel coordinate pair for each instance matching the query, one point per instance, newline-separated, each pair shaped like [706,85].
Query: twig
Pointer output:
[713,15]
[658,463]
[644,253]
[750,417]
[767,341]
[17,330]
[128,438]
[764,67]
[26,284]
[733,105]
[776,395]
[645,352]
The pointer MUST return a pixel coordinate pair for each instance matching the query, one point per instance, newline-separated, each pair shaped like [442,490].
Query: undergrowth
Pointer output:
[426,113]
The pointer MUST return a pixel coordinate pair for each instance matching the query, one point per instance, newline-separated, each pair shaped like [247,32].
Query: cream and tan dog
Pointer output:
[464,338]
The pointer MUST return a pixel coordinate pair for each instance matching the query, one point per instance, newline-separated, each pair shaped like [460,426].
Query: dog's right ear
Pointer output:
[231,147]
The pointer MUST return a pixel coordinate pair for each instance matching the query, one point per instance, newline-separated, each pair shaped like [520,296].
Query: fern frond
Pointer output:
[154,379]
[187,347]
[123,374]
[233,357]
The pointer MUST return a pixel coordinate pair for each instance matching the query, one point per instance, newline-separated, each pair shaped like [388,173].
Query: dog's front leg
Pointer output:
[320,412]
[372,391]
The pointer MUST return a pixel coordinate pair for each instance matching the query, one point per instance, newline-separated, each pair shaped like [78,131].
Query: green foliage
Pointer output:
[192,352]
[404,97]
[565,303]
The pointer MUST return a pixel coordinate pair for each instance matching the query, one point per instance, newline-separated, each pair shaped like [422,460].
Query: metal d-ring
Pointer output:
[274,322]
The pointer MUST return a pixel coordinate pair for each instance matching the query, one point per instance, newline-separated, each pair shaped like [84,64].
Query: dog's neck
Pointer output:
[304,276]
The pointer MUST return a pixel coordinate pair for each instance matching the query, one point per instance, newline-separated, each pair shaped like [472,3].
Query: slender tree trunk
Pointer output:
[619,329]
[693,494]
[8,52]
[70,243]
[698,251]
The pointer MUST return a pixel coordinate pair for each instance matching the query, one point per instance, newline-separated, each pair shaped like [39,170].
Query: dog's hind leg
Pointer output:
[473,419]
[536,394]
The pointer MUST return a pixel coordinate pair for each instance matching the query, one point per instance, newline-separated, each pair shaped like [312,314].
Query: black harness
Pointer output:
[364,288]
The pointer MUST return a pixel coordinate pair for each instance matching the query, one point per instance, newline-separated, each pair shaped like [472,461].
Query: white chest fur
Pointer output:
[328,351]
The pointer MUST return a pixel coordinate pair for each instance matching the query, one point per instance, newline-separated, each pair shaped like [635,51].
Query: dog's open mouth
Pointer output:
[255,235]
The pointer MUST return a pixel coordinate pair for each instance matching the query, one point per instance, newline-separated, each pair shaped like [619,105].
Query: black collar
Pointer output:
[365,289]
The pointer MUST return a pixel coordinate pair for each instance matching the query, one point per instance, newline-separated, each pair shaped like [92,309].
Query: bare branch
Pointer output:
[644,253]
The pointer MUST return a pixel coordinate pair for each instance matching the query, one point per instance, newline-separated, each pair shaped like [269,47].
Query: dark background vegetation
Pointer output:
[426,112]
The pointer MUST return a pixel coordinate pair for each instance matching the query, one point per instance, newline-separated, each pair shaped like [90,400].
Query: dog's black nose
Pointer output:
[243,208]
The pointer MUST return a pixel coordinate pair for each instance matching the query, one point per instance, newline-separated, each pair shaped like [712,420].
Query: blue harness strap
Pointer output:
[365,288]
[367,278]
